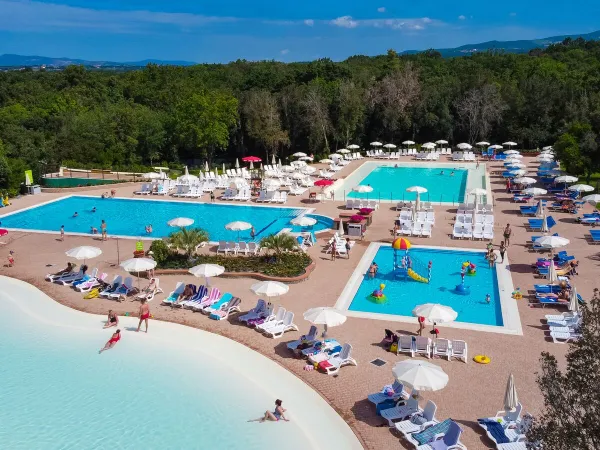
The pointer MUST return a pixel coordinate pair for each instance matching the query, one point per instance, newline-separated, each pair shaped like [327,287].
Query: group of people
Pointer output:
[113,321]
[93,230]
[336,254]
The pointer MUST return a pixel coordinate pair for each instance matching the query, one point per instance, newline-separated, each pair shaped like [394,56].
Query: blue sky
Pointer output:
[221,31]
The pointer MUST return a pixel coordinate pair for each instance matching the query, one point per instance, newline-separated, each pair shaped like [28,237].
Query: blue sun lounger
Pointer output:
[536,224]
[528,210]
[595,236]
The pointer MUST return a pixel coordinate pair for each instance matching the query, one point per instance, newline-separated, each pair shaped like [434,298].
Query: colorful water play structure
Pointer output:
[405,266]
[378,296]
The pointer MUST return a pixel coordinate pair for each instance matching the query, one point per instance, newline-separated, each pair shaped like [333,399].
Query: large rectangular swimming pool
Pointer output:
[129,217]
[402,295]
[444,185]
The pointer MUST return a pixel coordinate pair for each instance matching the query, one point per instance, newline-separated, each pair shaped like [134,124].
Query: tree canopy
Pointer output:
[217,112]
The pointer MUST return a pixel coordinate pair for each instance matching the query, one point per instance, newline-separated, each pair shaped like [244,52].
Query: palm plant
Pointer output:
[279,243]
[188,239]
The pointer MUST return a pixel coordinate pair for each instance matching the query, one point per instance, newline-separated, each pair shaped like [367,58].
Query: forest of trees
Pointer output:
[215,112]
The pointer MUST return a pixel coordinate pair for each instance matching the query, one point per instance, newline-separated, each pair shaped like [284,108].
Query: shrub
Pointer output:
[160,252]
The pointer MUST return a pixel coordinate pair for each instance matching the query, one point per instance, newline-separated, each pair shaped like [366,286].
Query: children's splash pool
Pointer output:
[403,293]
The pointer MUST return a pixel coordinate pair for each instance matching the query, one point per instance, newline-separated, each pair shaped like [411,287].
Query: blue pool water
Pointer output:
[403,295]
[159,390]
[129,217]
[390,183]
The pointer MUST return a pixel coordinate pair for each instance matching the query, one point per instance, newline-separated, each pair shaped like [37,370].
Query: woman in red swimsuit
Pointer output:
[144,314]
[116,337]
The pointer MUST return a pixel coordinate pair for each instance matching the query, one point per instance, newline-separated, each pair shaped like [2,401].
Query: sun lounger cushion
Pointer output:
[387,404]
[430,433]
[496,430]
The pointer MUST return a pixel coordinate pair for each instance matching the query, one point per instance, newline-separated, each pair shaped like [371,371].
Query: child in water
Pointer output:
[488,298]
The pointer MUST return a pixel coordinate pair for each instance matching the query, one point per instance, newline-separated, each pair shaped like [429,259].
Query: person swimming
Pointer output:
[75,214]
[441,172]
[93,230]
[452,173]
[116,337]
[94,209]
[149,229]
[488,298]
[275,416]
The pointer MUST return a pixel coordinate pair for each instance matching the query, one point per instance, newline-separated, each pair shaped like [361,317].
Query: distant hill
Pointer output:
[38,61]
[523,46]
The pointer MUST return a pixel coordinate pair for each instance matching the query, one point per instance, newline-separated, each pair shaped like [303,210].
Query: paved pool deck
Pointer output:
[473,390]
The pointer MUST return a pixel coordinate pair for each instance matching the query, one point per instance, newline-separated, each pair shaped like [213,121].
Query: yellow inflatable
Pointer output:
[5,201]
[482,359]
[415,276]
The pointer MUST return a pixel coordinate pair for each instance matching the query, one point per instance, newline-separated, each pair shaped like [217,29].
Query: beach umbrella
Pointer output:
[326,316]
[271,184]
[341,228]
[535,191]
[544,228]
[510,152]
[376,144]
[287,168]
[482,144]
[238,226]
[354,147]
[552,242]
[261,166]
[137,265]
[279,162]
[343,150]
[153,175]
[510,396]
[478,192]
[223,170]
[574,301]
[566,179]
[408,143]
[428,145]
[418,190]
[270,288]
[420,375]
[434,312]
[186,177]
[306,158]
[206,169]
[539,212]
[581,188]
[363,189]
[509,143]
[207,271]
[496,147]
[83,253]
[548,148]
[335,156]
[299,154]
[545,156]
[552,276]
[516,165]
[237,163]
[323,182]
[326,161]
[593,199]
[518,172]
[3,232]
[441,142]
[273,161]
[525,180]
[309,170]
[464,146]
[303,221]
[389,146]
[180,222]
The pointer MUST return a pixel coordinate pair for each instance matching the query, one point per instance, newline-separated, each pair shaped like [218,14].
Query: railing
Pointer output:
[403,196]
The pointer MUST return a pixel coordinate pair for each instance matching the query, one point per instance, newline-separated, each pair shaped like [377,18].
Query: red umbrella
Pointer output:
[323,182]
[251,159]
[3,232]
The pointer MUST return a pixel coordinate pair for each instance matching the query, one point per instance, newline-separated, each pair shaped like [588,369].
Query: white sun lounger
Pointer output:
[419,421]
[403,412]
[279,329]
[399,394]
[335,363]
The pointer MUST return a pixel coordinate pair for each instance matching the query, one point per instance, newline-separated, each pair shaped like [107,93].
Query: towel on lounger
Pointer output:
[496,430]
[430,433]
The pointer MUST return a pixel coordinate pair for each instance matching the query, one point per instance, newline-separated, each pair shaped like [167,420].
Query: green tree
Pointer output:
[349,110]
[579,151]
[188,239]
[279,243]
[571,398]
[263,122]
[204,121]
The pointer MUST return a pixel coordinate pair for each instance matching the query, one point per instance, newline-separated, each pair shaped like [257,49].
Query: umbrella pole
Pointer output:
[324,334]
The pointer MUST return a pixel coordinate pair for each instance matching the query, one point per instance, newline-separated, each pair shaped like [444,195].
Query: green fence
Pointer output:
[74,182]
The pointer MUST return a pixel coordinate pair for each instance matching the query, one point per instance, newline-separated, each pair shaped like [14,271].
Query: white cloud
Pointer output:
[285,51]
[345,22]
[395,24]
[462,17]
[309,22]
[28,15]
[381,9]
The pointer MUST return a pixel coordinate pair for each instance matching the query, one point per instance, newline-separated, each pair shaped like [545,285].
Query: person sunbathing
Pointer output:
[187,293]
[275,416]
[69,269]
[148,290]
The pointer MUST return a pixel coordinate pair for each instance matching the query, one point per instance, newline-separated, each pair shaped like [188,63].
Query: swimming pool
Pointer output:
[175,387]
[446,183]
[129,217]
[404,294]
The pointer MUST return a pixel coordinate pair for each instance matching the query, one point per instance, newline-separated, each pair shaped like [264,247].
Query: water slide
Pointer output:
[415,276]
